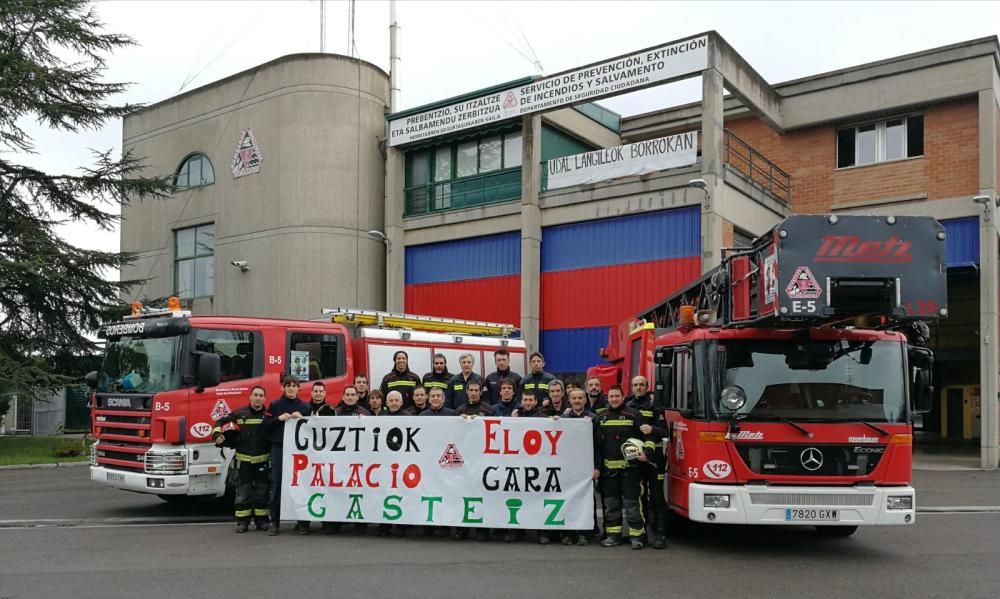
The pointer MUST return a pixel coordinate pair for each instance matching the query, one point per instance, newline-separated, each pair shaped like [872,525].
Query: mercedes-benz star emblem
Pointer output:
[812,459]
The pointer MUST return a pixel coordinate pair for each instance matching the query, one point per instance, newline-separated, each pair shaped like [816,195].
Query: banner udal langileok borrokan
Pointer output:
[531,473]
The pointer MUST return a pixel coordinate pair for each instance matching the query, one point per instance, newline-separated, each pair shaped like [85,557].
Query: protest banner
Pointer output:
[530,473]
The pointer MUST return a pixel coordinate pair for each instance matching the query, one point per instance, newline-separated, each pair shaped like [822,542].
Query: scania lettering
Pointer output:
[162,385]
[781,407]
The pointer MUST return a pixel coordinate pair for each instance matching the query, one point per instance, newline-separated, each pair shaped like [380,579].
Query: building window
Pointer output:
[195,171]
[883,141]
[465,173]
[194,261]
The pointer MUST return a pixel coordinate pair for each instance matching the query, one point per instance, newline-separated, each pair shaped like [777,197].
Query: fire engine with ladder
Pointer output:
[167,376]
[790,374]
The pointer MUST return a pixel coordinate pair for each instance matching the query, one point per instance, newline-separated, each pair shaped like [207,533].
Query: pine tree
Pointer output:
[52,293]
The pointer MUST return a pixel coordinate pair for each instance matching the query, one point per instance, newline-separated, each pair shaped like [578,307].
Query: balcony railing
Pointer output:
[486,188]
[756,169]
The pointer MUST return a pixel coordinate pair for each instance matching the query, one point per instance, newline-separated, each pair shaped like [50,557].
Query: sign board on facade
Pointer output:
[247,158]
[626,73]
[623,161]
[532,473]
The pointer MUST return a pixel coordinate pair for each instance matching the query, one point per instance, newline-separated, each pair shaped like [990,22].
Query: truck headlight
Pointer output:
[899,502]
[717,501]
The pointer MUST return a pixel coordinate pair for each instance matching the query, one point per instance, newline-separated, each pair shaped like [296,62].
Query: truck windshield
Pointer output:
[140,365]
[824,380]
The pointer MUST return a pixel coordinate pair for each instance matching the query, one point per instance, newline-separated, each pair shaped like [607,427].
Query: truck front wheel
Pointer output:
[836,532]
[176,499]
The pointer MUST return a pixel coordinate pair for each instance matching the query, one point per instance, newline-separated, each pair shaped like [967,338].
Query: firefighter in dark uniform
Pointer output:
[654,502]
[253,452]
[350,405]
[455,392]
[317,397]
[400,378]
[474,405]
[619,477]
[279,412]
[491,392]
[439,376]
[538,381]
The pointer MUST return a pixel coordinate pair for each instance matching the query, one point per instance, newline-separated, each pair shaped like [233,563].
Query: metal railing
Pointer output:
[486,188]
[756,169]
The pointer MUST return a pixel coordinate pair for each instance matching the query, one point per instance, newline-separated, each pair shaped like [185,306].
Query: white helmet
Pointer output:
[632,449]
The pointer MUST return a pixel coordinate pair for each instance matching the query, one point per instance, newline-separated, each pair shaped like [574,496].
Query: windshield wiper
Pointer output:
[881,431]
[805,432]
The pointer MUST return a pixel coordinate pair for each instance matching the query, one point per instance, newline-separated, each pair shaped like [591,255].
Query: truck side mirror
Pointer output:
[209,370]
[91,379]
[664,360]
[921,382]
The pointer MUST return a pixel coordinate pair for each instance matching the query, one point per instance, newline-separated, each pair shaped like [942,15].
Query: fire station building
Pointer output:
[528,203]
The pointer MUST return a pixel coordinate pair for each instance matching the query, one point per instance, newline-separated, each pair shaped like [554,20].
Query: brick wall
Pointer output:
[949,167]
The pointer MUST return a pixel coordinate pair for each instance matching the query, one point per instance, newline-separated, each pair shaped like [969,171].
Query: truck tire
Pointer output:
[836,532]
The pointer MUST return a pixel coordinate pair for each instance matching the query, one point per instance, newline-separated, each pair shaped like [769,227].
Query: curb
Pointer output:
[54,465]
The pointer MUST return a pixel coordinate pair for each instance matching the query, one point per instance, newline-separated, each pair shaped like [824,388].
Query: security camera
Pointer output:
[241,264]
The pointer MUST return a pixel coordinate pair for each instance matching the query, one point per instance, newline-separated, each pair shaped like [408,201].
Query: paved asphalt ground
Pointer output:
[63,536]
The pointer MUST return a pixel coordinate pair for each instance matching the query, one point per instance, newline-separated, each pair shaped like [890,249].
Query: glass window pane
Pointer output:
[194,171]
[895,139]
[442,196]
[845,147]
[181,181]
[314,356]
[489,154]
[468,154]
[442,164]
[206,240]
[204,276]
[418,169]
[207,172]
[512,150]
[185,243]
[915,136]
[866,144]
[416,200]
[185,278]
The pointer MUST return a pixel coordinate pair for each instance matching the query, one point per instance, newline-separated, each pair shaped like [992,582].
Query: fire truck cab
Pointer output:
[790,374]
[167,376]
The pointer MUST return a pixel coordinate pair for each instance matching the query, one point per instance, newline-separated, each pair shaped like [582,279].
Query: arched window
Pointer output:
[195,171]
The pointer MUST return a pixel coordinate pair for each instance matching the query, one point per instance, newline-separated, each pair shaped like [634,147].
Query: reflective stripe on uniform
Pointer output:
[243,513]
[433,385]
[636,532]
[646,413]
[458,387]
[262,511]
[613,530]
[252,421]
[660,476]
[543,385]
[402,384]
[649,444]
[616,423]
[615,464]
[253,459]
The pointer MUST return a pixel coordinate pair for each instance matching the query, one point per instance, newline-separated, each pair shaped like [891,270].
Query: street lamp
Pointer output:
[381,237]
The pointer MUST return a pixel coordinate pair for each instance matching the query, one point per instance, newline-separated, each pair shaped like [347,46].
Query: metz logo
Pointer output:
[851,248]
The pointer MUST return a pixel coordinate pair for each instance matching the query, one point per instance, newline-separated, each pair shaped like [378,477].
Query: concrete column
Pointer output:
[531,230]
[395,246]
[712,167]
[989,293]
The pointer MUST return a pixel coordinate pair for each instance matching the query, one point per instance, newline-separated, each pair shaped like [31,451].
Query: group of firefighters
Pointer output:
[629,461]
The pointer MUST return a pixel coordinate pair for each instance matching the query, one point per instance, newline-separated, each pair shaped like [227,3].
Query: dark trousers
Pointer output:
[620,493]
[654,502]
[253,487]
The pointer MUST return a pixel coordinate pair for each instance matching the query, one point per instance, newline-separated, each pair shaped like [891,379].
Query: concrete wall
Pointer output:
[301,223]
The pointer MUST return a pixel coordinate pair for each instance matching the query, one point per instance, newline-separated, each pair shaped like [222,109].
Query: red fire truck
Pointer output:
[168,375]
[790,374]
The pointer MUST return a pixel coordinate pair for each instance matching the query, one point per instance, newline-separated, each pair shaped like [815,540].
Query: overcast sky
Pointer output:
[449,48]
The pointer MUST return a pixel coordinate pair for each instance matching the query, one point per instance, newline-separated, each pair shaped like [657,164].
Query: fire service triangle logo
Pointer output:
[803,285]
[510,101]
[247,158]
[221,409]
[451,458]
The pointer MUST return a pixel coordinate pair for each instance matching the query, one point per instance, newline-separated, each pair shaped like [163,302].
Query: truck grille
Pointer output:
[811,499]
[166,463]
[811,460]
[122,428]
